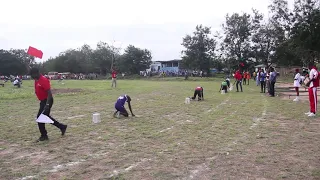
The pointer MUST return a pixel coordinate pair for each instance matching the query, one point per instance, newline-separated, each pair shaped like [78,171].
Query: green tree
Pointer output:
[305,31]
[237,32]
[103,57]
[199,49]
[25,58]
[135,60]
[10,64]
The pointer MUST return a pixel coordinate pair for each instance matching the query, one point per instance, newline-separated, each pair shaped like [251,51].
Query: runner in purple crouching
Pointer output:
[119,105]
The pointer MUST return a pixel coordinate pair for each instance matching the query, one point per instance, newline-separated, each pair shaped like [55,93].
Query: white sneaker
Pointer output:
[295,100]
[118,115]
[311,115]
[307,113]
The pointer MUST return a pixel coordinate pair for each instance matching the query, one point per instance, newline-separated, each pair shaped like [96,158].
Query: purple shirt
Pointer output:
[121,100]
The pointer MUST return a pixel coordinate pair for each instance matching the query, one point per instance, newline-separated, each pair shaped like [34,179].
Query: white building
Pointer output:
[155,66]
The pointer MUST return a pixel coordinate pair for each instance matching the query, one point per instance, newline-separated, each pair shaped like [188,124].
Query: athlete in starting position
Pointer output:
[119,105]
[224,86]
[198,91]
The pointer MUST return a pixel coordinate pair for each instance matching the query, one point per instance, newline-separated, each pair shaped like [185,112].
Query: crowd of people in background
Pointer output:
[179,73]
[266,80]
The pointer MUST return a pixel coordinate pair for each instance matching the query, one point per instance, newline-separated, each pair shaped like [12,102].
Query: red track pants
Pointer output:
[313,99]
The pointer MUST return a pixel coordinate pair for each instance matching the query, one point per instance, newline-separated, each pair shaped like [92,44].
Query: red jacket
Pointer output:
[114,74]
[238,75]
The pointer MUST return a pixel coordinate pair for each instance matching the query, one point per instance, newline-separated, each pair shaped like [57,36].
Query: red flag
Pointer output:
[35,52]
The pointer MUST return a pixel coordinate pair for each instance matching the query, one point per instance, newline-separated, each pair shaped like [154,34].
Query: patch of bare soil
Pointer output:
[68,90]
[290,93]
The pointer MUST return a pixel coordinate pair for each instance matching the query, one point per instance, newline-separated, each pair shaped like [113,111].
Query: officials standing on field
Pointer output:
[42,89]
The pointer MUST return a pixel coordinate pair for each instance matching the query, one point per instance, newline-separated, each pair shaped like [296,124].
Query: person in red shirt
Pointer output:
[238,78]
[43,92]
[244,78]
[198,92]
[114,77]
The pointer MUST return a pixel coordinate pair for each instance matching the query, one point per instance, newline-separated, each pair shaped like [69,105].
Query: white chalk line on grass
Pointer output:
[78,116]
[218,106]
[132,166]
[56,168]
[199,169]
[60,167]
[257,121]
[210,110]
[63,166]
[205,166]
[166,129]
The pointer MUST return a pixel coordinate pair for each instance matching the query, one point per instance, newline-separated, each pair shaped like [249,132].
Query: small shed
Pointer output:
[260,66]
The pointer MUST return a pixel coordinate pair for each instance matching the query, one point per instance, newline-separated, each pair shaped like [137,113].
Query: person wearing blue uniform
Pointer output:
[119,105]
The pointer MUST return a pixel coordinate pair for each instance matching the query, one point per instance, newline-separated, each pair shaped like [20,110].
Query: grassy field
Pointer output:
[233,136]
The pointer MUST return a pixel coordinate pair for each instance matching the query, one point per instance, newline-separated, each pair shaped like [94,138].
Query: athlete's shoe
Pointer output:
[308,113]
[311,115]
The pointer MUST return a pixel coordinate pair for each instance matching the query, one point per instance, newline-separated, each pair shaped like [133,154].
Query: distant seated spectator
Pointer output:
[17,83]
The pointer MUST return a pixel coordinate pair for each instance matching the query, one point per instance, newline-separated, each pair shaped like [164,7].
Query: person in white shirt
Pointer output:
[16,82]
[297,83]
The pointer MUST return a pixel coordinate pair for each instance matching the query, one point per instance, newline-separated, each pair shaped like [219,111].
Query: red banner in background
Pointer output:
[35,52]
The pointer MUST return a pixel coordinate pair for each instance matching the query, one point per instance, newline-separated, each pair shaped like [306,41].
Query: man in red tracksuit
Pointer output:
[114,77]
[238,77]
[313,85]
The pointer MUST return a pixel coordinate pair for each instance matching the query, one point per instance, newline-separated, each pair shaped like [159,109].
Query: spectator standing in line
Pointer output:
[262,79]
[114,77]
[268,81]
[273,80]
[297,83]
[244,78]
[248,77]
[258,77]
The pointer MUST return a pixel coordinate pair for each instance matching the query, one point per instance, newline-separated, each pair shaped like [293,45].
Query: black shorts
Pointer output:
[224,88]
[198,92]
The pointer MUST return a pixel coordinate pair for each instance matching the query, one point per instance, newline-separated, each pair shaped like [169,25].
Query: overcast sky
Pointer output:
[158,25]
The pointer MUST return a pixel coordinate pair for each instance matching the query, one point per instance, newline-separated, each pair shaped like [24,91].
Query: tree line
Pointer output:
[286,38]
[81,60]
